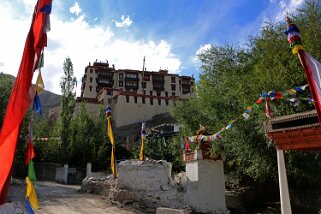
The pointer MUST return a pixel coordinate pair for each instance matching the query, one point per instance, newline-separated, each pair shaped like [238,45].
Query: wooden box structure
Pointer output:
[300,131]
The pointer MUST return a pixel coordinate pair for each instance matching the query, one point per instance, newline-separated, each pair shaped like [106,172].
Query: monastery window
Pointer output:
[90,88]
[173,79]
[166,101]
[91,71]
[159,101]
[146,77]
[91,79]
[173,93]
[166,94]
[143,84]
[120,83]
[151,101]
[121,76]
[131,75]
[180,82]
[135,99]
[127,98]
[143,100]
[173,87]
[158,93]
[151,93]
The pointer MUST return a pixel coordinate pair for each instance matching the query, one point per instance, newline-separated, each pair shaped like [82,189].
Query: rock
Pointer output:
[13,208]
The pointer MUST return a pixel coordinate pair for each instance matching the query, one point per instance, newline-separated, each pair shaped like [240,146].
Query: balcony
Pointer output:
[136,79]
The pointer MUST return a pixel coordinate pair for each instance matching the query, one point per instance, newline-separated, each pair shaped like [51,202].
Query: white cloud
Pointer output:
[288,6]
[82,42]
[194,58]
[75,9]
[125,22]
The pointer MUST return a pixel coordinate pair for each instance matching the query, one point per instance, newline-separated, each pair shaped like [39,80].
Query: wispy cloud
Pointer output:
[79,40]
[75,9]
[125,22]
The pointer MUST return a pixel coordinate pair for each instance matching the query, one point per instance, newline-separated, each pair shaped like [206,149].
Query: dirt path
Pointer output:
[64,199]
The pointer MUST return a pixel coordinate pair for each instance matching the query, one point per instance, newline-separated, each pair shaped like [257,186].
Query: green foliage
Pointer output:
[6,84]
[158,147]
[67,84]
[233,78]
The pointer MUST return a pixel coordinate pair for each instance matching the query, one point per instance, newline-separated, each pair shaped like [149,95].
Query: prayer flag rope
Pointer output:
[267,96]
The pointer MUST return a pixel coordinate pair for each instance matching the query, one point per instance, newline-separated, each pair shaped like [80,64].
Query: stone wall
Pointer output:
[149,184]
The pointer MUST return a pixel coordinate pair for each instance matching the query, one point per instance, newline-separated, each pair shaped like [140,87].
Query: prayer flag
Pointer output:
[21,95]
[28,207]
[31,172]
[31,194]
[30,153]
[39,83]
[37,104]
[112,141]
[313,73]
[142,148]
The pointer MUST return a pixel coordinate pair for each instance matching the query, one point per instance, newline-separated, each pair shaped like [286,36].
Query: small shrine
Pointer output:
[205,191]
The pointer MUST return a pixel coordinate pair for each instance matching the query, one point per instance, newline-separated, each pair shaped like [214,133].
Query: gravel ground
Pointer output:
[65,199]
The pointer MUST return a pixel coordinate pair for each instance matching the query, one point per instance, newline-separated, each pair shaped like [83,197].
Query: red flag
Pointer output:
[312,68]
[30,152]
[21,95]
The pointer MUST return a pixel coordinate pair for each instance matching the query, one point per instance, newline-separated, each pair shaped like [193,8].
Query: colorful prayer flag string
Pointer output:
[267,96]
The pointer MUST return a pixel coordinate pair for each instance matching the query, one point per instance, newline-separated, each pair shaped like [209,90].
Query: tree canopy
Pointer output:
[233,78]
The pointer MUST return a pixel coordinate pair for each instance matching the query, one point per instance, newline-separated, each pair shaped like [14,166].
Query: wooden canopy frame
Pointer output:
[300,131]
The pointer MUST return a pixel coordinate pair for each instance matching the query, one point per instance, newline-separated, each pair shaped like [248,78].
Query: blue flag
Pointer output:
[37,105]
[28,207]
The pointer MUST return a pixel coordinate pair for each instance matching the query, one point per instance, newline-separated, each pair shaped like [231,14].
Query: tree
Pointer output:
[233,78]
[67,83]
[6,84]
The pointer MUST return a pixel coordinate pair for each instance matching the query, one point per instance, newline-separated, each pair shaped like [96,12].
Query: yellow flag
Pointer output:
[141,153]
[112,141]
[31,194]
[39,83]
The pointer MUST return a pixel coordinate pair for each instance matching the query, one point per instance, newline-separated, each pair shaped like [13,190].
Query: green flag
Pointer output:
[41,61]
[31,172]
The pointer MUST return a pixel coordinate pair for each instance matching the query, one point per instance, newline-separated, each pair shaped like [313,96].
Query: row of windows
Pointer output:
[151,100]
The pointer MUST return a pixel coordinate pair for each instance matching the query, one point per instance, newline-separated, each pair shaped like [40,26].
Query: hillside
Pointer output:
[48,99]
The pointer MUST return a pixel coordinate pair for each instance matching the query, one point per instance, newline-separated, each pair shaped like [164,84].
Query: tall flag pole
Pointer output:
[22,93]
[142,148]
[311,66]
[112,141]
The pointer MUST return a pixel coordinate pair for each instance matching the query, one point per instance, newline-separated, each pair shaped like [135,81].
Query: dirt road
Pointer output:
[64,199]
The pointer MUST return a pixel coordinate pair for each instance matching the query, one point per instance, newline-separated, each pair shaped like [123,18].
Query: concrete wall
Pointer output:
[205,191]
[144,175]
[124,113]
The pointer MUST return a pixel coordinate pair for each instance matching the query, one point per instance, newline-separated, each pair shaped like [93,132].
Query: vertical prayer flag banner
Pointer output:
[112,141]
[22,92]
[313,68]
[310,65]
[142,148]
[31,194]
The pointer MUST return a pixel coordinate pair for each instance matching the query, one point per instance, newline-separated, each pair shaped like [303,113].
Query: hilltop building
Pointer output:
[133,95]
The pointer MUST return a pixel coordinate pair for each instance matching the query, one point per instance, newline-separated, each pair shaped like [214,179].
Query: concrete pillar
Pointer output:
[66,174]
[205,190]
[283,184]
[88,170]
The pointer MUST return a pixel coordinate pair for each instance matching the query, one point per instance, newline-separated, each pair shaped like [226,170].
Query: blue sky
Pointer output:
[169,33]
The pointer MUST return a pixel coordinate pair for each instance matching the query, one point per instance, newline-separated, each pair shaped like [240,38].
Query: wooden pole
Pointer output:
[283,184]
